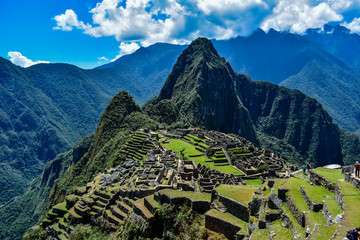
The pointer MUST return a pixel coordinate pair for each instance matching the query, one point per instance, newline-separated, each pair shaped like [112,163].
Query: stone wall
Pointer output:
[355,182]
[235,208]
[327,215]
[338,197]
[299,216]
[221,226]
[313,206]
[318,180]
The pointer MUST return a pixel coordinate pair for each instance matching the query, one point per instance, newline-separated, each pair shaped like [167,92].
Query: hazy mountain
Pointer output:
[313,64]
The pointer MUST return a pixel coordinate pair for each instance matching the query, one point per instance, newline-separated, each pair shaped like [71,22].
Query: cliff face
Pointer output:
[203,87]
[208,93]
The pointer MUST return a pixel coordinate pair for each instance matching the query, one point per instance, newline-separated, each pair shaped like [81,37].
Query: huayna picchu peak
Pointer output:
[214,155]
[208,93]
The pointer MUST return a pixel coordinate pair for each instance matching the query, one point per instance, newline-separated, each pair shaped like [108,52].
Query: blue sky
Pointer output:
[89,33]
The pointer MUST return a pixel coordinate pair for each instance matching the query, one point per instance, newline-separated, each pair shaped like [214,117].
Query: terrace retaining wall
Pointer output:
[318,180]
[235,208]
[313,206]
[299,216]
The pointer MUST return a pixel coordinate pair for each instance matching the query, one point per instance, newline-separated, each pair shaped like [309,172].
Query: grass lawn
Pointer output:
[281,232]
[317,193]
[61,206]
[323,232]
[229,218]
[330,174]
[293,184]
[195,196]
[299,230]
[253,182]
[177,145]
[351,198]
[240,193]
[260,234]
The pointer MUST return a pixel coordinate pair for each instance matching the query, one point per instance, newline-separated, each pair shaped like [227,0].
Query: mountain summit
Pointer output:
[208,92]
[202,85]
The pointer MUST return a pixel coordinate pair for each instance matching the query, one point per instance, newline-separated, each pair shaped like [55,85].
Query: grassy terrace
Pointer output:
[351,198]
[178,145]
[193,196]
[61,206]
[260,234]
[281,232]
[253,182]
[241,194]
[330,174]
[299,230]
[293,185]
[229,218]
[316,194]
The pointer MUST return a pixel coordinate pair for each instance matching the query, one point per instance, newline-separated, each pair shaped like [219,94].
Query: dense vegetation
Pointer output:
[23,212]
[323,65]
[208,93]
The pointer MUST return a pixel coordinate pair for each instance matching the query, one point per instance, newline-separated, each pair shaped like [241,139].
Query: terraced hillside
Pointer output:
[166,172]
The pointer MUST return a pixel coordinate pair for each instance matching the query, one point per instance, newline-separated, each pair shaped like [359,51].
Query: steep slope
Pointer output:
[202,85]
[209,93]
[334,86]
[121,117]
[308,63]
[39,118]
[46,108]
[339,41]
[26,210]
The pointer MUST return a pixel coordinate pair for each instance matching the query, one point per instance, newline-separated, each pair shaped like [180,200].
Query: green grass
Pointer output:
[178,145]
[317,193]
[193,196]
[313,218]
[152,201]
[299,230]
[293,185]
[331,175]
[260,234]
[253,182]
[61,206]
[281,232]
[229,218]
[323,232]
[351,198]
[239,193]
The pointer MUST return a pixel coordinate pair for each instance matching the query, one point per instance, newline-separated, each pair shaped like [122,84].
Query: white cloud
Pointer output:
[68,21]
[172,21]
[125,49]
[103,58]
[354,25]
[180,21]
[297,16]
[18,59]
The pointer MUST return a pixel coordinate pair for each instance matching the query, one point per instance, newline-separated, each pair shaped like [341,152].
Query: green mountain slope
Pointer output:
[121,117]
[26,210]
[39,117]
[318,64]
[209,93]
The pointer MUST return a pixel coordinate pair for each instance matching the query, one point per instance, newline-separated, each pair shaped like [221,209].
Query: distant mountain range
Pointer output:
[46,108]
